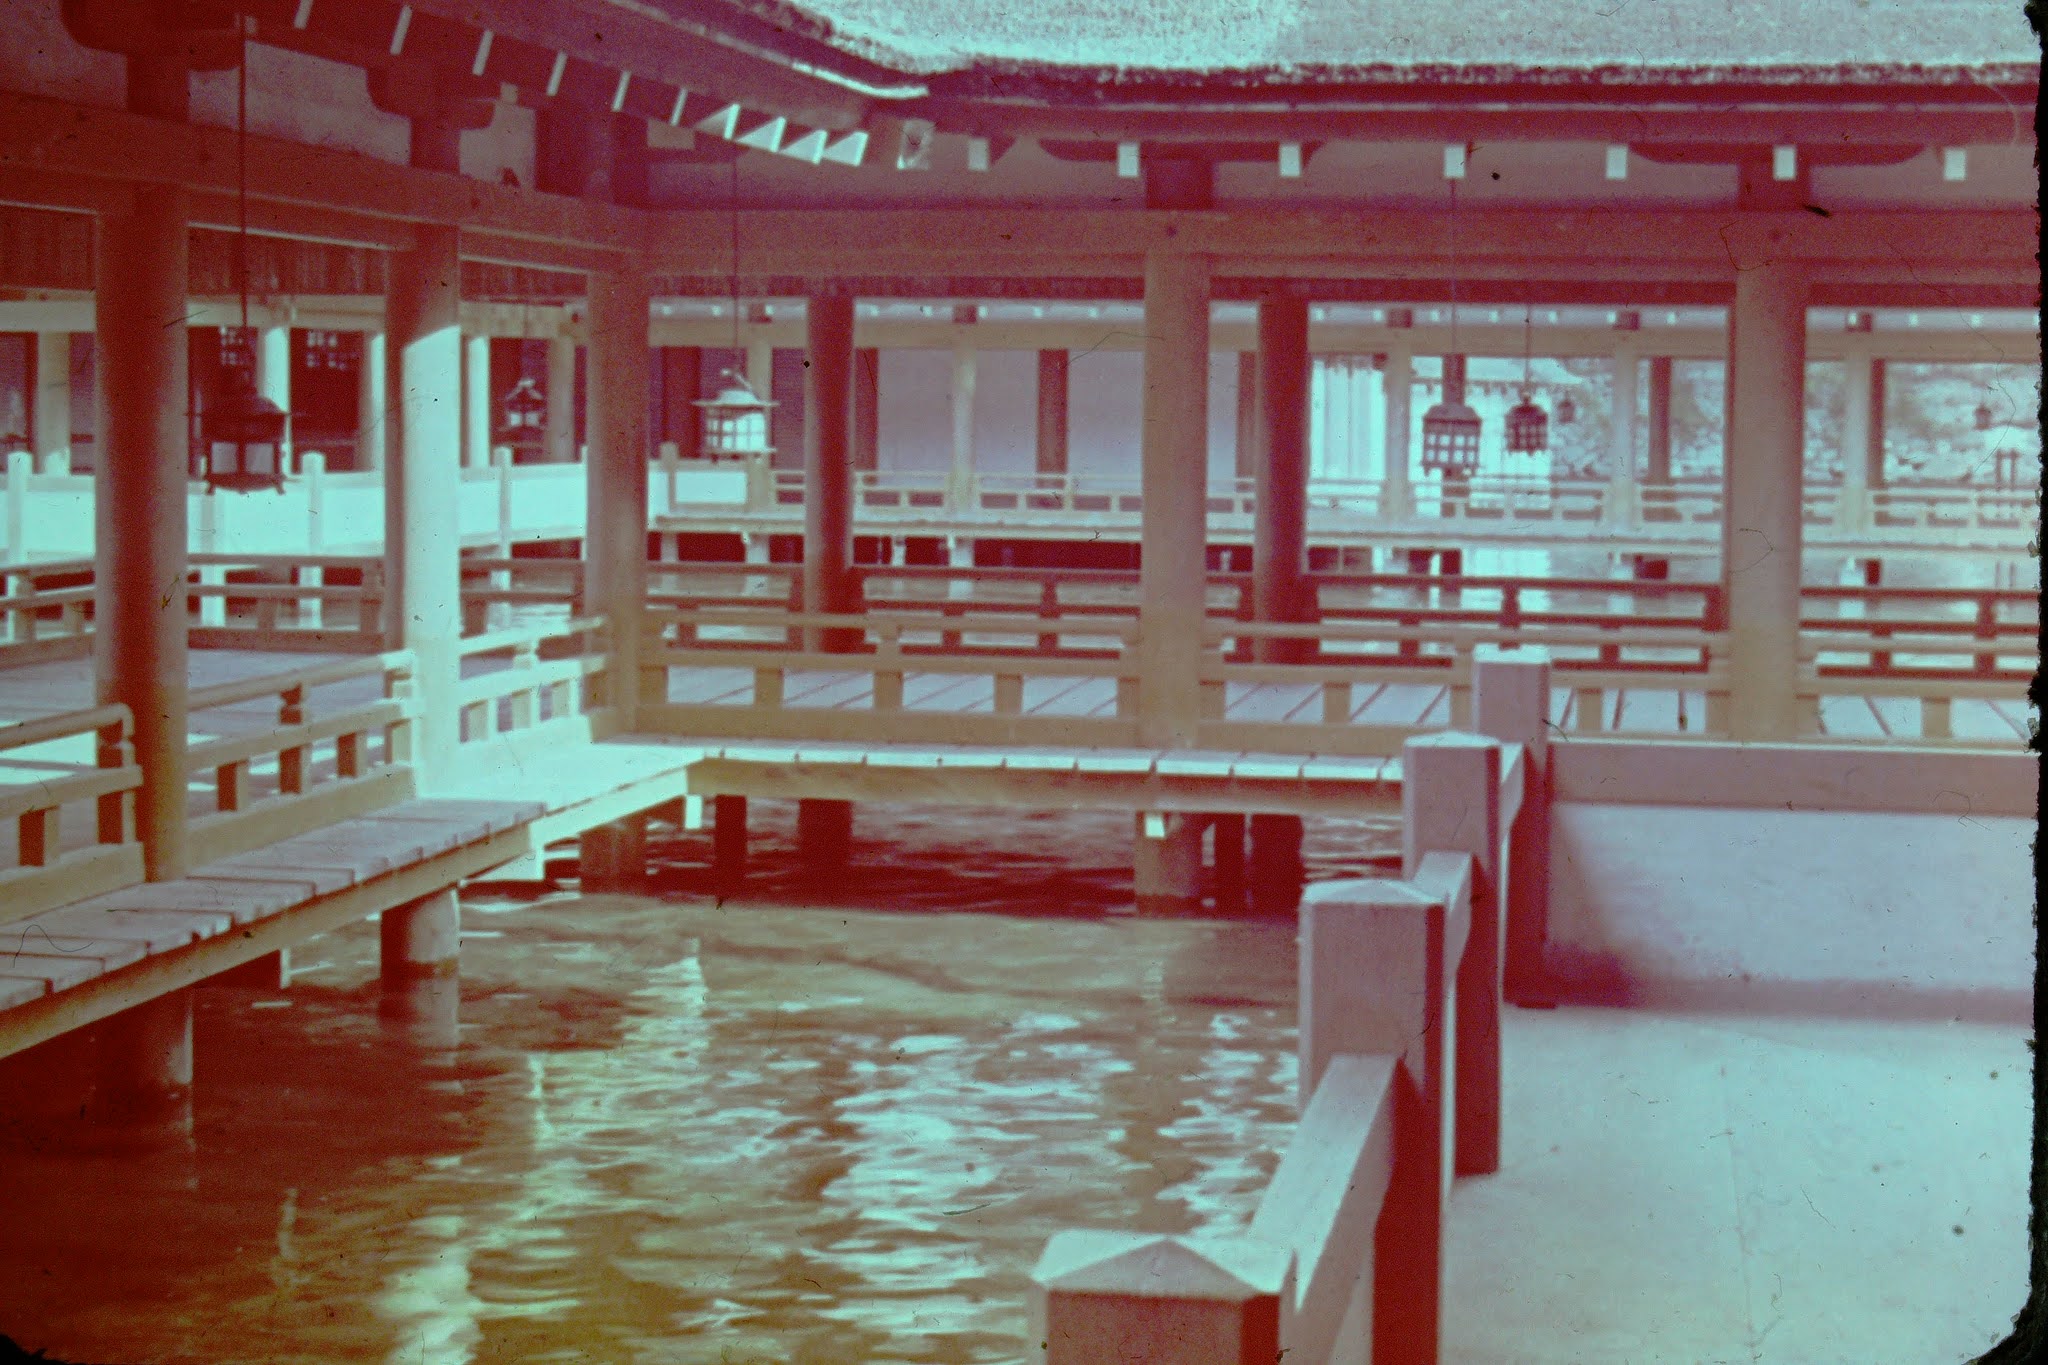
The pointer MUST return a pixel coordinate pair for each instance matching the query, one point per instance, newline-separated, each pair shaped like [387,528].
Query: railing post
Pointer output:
[20,463]
[312,611]
[1131,1296]
[1450,803]
[498,616]
[291,760]
[1511,703]
[112,749]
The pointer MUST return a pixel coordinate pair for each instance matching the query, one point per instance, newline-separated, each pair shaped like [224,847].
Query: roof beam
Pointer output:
[112,145]
[1987,247]
[1671,117]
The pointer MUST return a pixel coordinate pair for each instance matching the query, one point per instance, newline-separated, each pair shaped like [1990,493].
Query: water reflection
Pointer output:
[678,1131]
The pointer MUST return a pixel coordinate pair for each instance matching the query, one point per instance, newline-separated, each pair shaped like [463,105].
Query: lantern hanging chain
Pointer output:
[733,204]
[242,174]
[1454,267]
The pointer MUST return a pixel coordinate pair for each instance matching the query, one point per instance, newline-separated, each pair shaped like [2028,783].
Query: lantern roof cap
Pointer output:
[737,393]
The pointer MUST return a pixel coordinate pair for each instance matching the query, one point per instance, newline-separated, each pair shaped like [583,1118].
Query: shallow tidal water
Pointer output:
[812,1124]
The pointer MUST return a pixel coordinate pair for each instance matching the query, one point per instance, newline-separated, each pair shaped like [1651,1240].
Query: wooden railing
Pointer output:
[40,785]
[307,769]
[550,679]
[45,610]
[1399,1088]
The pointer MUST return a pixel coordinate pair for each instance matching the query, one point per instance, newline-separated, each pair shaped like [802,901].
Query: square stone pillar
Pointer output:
[140,484]
[1173,567]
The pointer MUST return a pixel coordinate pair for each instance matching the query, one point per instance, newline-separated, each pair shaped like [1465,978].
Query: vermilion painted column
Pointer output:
[1247,462]
[422,485]
[613,856]
[1761,527]
[558,426]
[476,401]
[51,403]
[1051,456]
[373,373]
[825,827]
[867,409]
[139,484]
[1173,574]
[1397,494]
[1657,452]
[828,468]
[1280,591]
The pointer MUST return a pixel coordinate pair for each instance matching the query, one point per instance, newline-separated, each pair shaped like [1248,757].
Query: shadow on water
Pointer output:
[677,1130]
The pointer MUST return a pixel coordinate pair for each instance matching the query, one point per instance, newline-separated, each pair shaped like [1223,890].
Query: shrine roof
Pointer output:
[1060,45]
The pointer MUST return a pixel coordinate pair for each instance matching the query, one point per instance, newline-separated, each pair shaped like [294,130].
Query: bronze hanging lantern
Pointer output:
[244,438]
[735,422]
[1983,417]
[242,432]
[1567,411]
[525,412]
[1528,425]
[1528,428]
[1450,429]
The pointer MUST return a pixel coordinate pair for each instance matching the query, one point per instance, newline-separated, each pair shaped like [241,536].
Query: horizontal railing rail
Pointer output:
[35,790]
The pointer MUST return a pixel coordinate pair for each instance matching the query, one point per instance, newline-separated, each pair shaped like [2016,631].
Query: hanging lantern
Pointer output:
[525,416]
[735,422]
[1983,417]
[1450,439]
[243,433]
[1567,411]
[1528,428]
[1450,430]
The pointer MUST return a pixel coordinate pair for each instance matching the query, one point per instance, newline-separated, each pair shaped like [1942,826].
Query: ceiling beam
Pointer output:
[37,134]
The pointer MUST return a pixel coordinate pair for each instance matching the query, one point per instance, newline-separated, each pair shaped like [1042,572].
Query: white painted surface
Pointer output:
[1711,905]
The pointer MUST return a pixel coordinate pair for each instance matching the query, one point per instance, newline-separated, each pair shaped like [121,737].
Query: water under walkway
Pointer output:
[838,1128]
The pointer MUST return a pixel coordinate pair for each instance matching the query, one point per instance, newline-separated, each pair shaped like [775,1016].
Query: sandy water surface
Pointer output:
[818,1124]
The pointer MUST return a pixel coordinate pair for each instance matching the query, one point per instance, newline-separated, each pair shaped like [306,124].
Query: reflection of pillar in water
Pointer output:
[427,1009]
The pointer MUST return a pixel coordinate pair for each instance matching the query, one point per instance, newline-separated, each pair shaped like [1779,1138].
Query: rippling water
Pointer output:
[679,1130]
